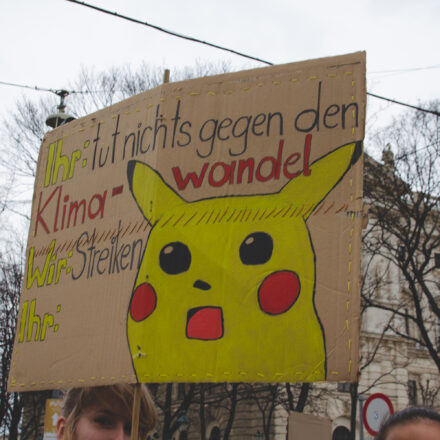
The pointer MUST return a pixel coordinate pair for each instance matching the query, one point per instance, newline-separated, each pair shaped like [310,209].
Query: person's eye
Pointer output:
[104,421]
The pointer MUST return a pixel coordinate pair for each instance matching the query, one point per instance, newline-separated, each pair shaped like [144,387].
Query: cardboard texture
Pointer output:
[310,427]
[205,230]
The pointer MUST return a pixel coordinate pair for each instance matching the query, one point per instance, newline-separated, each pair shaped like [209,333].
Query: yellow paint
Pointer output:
[253,342]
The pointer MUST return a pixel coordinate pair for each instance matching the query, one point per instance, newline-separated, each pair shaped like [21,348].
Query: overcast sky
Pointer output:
[45,42]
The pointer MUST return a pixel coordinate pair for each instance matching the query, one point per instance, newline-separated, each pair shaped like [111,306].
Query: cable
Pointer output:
[175,34]
[404,104]
[411,69]
[39,89]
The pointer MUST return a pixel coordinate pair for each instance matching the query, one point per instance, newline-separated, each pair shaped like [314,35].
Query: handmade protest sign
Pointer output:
[206,230]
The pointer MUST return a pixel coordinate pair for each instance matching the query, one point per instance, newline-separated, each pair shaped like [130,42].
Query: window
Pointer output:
[183,435]
[341,433]
[437,260]
[344,387]
[215,433]
[412,392]
[406,322]
[401,253]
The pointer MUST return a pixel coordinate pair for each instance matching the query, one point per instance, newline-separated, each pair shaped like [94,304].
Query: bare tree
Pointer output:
[24,128]
[11,273]
[267,397]
[172,405]
[404,193]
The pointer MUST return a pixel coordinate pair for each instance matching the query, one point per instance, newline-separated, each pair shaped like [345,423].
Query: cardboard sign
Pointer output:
[310,427]
[206,230]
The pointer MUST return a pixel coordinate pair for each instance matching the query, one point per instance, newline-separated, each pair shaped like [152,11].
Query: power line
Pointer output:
[403,103]
[196,40]
[39,89]
[42,89]
[166,31]
[411,69]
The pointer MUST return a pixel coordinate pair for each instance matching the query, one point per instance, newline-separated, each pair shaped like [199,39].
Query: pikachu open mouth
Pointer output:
[205,323]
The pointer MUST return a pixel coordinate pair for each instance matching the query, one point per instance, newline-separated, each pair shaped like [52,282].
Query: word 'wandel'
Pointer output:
[268,168]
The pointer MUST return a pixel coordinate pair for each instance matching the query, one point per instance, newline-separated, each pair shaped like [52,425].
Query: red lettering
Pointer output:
[226,174]
[196,180]
[39,218]
[101,203]
[269,167]
[242,165]
[276,165]
[291,160]
[307,146]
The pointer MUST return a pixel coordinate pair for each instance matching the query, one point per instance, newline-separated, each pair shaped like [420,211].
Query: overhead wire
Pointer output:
[40,89]
[196,40]
[410,69]
[166,31]
[405,104]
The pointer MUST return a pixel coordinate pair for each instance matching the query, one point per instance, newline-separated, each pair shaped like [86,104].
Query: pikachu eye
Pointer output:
[256,248]
[175,258]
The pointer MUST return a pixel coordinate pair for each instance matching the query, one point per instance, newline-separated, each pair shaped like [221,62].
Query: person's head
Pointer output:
[104,413]
[414,423]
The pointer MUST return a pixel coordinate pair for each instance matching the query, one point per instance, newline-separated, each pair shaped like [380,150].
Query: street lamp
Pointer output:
[54,120]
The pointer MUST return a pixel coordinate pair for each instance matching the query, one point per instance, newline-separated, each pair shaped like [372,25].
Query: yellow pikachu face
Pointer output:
[225,291]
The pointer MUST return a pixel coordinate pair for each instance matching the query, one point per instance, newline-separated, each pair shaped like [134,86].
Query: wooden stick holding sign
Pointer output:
[136,412]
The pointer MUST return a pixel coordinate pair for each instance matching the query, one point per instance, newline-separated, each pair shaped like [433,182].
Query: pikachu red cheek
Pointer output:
[143,302]
[278,292]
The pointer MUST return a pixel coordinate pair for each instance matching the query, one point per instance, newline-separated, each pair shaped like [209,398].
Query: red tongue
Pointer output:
[205,323]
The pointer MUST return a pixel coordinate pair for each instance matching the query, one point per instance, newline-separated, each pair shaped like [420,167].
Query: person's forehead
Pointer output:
[109,403]
[416,430]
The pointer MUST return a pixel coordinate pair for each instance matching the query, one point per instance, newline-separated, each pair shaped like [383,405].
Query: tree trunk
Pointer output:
[167,412]
[202,412]
[15,417]
[302,399]
[234,394]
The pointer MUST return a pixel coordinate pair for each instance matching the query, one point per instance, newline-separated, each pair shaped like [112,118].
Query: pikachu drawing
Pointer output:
[225,289]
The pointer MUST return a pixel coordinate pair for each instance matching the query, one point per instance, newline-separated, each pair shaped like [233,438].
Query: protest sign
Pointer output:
[206,230]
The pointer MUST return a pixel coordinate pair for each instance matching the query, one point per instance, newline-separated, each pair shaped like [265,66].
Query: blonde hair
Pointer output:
[77,400]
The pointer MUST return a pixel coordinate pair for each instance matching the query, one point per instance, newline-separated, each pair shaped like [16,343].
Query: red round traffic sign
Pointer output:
[377,408]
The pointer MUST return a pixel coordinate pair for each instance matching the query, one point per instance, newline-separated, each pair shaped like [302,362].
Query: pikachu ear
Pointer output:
[153,196]
[325,173]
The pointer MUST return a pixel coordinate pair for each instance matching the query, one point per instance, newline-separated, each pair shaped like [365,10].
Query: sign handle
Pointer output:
[136,412]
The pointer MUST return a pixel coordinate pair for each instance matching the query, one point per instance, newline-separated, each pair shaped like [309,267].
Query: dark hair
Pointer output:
[413,414]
